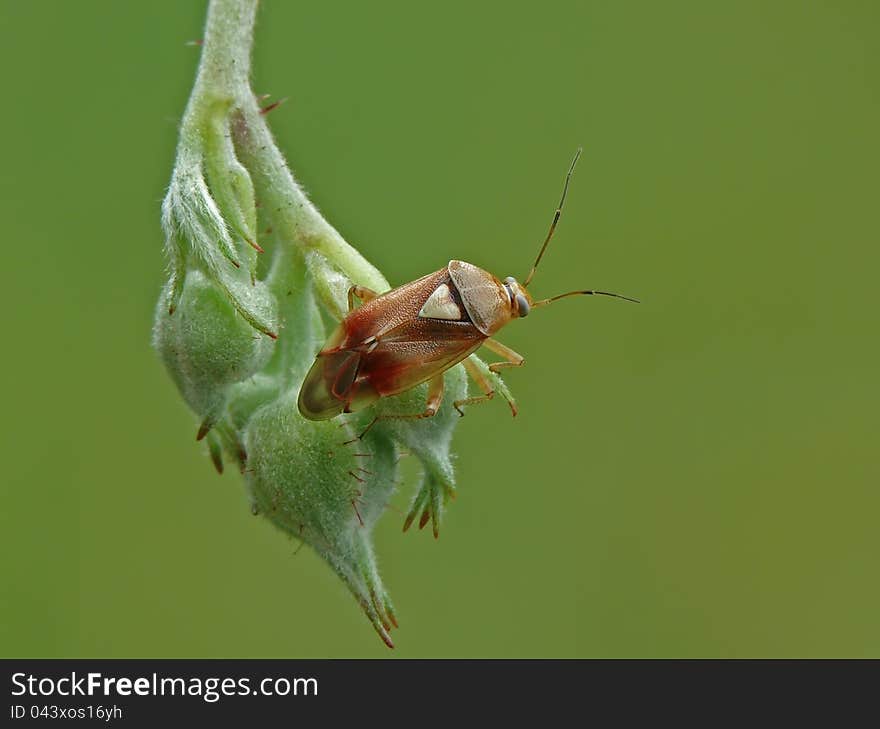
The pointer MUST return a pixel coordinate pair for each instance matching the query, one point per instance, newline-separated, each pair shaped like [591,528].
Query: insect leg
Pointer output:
[481,382]
[432,405]
[435,396]
[512,359]
[362,292]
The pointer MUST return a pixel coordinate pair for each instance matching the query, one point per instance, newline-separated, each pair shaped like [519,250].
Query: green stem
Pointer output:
[224,67]
[299,218]
[223,79]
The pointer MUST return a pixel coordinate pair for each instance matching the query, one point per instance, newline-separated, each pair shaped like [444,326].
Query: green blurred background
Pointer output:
[696,476]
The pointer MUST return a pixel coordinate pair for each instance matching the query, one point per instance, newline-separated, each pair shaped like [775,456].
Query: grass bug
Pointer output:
[414,333]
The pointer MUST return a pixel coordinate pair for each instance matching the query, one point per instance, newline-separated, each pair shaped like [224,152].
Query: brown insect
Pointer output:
[416,332]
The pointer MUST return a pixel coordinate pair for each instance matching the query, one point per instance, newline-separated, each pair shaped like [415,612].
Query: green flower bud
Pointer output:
[208,216]
[329,495]
[430,441]
[206,345]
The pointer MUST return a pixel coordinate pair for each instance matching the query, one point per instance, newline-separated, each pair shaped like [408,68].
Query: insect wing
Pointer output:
[389,310]
[415,351]
[325,390]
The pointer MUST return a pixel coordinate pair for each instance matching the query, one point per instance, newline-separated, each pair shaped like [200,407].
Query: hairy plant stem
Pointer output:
[223,81]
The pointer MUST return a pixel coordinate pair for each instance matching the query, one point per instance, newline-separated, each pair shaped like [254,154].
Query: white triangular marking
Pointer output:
[440,305]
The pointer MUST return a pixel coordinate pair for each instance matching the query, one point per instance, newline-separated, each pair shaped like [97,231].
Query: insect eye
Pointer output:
[522,305]
[510,280]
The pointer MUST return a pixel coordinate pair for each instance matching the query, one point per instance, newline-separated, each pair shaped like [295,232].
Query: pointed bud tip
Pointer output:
[271,107]
[203,429]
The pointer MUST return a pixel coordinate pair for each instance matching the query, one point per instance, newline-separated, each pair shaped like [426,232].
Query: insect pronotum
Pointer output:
[414,333]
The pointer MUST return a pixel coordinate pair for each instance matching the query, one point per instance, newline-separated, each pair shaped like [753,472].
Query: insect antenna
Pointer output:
[589,292]
[555,218]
